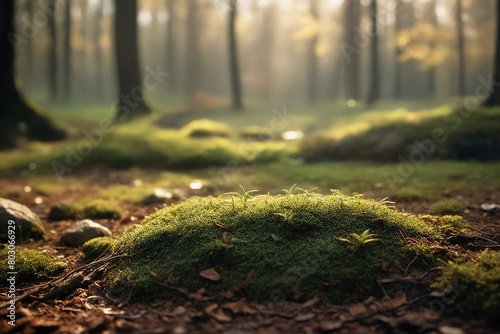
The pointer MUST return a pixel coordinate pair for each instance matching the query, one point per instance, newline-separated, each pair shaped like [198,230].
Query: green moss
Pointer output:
[291,241]
[97,246]
[203,128]
[475,284]
[448,207]
[408,195]
[100,209]
[256,133]
[31,265]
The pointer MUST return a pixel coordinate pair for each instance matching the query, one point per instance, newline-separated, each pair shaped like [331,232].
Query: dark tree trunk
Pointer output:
[52,66]
[351,48]
[494,97]
[374,91]
[234,68]
[29,43]
[266,50]
[170,54]
[461,49]
[17,117]
[97,49]
[131,100]
[67,52]
[193,48]
[312,59]
[398,71]
[431,71]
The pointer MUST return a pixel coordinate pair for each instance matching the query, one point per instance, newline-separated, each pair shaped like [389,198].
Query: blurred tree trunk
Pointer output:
[374,90]
[29,43]
[494,97]
[52,65]
[131,100]
[82,70]
[351,48]
[98,17]
[67,52]
[266,49]
[312,59]
[170,54]
[233,58]
[461,48]
[431,72]
[18,118]
[193,48]
[398,25]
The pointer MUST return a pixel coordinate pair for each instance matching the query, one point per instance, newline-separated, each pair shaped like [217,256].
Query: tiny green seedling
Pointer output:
[356,241]
[245,195]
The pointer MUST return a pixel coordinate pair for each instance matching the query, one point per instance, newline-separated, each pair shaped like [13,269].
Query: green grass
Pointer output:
[291,241]
[31,265]
[475,284]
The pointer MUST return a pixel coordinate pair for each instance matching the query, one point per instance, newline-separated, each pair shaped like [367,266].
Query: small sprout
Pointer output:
[290,190]
[245,195]
[356,241]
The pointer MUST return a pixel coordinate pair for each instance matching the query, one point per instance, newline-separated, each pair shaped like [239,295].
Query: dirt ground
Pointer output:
[91,309]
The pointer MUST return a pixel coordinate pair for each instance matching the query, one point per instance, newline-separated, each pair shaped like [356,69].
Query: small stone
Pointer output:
[162,195]
[27,223]
[83,231]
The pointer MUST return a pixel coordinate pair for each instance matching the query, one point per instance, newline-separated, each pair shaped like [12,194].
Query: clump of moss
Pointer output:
[291,242]
[448,207]
[62,211]
[203,128]
[101,209]
[475,283]
[97,246]
[31,265]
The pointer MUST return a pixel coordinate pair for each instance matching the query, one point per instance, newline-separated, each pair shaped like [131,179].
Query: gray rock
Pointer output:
[162,195]
[27,223]
[83,231]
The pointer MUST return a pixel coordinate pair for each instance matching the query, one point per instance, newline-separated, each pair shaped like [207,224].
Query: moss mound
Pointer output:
[475,283]
[31,265]
[448,207]
[289,242]
[97,246]
[203,128]
[442,133]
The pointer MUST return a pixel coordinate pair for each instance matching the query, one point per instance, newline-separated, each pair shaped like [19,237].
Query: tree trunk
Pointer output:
[97,49]
[234,68]
[398,71]
[494,97]
[17,117]
[312,59]
[52,66]
[170,54]
[131,100]
[351,48]
[374,91]
[461,49]
[29,43]
[431,71]
[67,52]
[193,48]
[266,50]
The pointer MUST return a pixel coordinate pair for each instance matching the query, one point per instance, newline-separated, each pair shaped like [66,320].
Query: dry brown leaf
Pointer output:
[240,307]
[329,325]
[274,237]
[220,316]
[305,317]
[357,309]
[210,308]
[311,302]
[210,274]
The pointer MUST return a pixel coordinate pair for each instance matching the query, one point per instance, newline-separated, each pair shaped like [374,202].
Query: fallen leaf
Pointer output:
[210,274]
[153,274]
[274,237]
[219,315]
[210,308]
[249,276]
[399,299]
[357,309]
[329,325]
[240,307]
[311,302]
[305,317]
[450,330]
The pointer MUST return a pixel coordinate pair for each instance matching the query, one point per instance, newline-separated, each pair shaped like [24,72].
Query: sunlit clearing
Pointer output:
[292,135]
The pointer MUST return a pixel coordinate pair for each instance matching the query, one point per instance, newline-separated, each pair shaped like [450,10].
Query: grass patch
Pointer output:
[204,128]
[32,265]
[448,207]
[291,241]
[475,283]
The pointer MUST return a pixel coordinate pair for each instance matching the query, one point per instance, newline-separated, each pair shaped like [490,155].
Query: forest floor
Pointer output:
[413,309]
